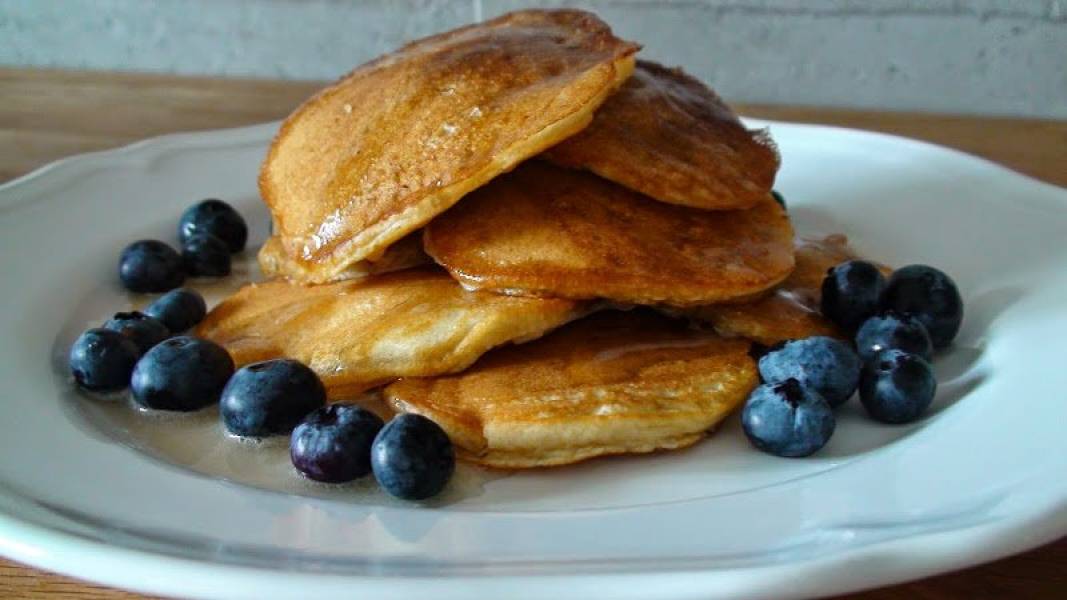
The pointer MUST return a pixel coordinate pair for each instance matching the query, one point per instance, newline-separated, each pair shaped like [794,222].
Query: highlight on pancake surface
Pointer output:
[543,230]
[400,139]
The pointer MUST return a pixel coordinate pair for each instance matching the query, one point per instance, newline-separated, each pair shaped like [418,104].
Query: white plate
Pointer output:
[983,476]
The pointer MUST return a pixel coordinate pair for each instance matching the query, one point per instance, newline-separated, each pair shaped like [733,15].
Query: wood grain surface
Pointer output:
[46,115]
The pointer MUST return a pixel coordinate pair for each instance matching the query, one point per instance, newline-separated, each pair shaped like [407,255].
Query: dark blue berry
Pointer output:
[142,329]
[270,397]
[206,256]
[183,373]
[101,360]
[891,330]
[150,266]
[930,296]
[897,387]
[412,457]
[778,197]
[178,309]
[851,292]
[827,365]
[787,419]
[333,443]
[217,218]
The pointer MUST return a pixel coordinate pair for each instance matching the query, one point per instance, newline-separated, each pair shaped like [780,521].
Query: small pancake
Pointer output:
[792,310]
[668,136]
[400,139]
[404,254]
[612,383]
[363,333]
[543,230]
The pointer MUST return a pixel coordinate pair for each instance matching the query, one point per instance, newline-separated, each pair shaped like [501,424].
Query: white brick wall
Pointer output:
[986,56]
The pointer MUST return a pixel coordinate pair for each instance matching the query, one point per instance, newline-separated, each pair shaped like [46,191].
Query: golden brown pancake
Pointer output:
[668,136]
[612,383]
[404,254]
[792,310]
[400,139]
[544,230]
[362,333]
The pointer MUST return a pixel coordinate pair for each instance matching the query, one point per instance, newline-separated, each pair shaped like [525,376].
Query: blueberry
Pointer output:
[827,365]
[897,387]
[142,329]
[333,443]
[929,295]
[850,293]
[178,309]
[412,457]
[778,197]
[101,360]
[150,266]
[888,330]
[788,419]
[206,256]
[214,217]
[270,397]
[183,373]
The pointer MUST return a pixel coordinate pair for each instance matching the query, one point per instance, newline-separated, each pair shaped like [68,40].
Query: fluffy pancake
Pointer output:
[400,139]
[612,383]
[362,333]
[792,310]
[404,254]
[668,136]
[544,230]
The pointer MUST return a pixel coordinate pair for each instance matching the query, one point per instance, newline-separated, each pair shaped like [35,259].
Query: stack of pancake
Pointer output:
[512,227]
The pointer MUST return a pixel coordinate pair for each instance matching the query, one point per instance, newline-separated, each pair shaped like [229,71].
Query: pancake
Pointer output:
[612,383]
[363,333]
[404,254]
[400,139]
[668,136]
[543,230]
[792,310]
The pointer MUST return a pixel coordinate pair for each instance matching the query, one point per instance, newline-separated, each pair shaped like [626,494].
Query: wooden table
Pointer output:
[45,115]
